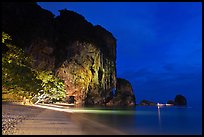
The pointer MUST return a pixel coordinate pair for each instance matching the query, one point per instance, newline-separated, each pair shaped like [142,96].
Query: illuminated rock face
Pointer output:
[81,54]
[86,75]
[85,59]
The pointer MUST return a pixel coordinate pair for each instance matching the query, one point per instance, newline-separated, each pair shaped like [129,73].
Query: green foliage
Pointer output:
[17,75]
[20,78]
[51,85]
[5,37]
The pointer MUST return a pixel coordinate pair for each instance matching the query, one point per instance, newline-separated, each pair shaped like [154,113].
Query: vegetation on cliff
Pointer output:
[21,79]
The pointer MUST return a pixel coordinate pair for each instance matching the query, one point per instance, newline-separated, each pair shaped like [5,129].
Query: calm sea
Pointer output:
[151,120]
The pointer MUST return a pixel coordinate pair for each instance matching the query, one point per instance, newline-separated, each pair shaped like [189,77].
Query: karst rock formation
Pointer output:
[81,54]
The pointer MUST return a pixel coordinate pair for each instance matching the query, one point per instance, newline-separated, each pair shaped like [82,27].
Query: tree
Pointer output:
[20,78]
[17,75]
[51,85]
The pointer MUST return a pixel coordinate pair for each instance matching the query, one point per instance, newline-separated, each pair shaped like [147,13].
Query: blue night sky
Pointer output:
[159,44]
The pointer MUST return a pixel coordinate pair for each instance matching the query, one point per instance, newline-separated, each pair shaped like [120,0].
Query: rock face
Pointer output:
[124,95]
[81,54]
[88,75]
[180,100]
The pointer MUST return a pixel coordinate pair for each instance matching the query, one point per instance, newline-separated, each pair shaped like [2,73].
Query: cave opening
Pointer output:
[71,100]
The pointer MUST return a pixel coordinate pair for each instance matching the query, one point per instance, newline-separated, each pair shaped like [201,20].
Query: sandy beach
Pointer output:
[34,120]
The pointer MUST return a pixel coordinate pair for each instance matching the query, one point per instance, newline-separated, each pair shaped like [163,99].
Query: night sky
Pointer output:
[159,44]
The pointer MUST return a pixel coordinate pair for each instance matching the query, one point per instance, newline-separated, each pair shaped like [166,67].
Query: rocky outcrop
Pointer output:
[124,95]
[42,53]
[86,74]
[32,28]
[85,59]
[81,54]
[147,103]
[180,100]
[170,102]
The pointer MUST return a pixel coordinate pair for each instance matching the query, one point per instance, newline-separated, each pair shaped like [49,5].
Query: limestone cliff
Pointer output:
[81,54]
[124,95]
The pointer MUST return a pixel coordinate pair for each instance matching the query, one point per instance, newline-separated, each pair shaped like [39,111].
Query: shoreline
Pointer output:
[67,120]
[16,119]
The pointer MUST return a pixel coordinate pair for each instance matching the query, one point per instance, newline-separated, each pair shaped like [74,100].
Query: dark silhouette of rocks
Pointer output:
[147,103]
[26,22]
[170,102]
[124,95]
[180,100]
[81,54]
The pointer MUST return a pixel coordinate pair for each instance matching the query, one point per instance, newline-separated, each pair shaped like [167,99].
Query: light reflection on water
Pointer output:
[159,119]
[148,120]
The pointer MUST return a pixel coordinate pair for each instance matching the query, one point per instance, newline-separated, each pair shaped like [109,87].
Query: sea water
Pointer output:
[146,120]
